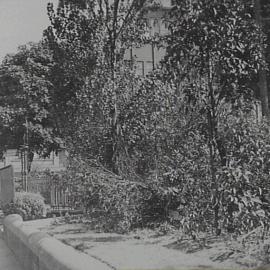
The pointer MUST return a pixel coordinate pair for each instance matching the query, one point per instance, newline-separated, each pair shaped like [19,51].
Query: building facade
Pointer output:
[55,162]
[148,57]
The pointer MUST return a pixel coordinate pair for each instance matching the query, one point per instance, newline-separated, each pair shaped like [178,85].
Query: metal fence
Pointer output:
[56,196]
[61,198]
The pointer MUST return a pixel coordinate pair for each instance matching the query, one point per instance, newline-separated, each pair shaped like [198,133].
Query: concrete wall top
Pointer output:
[36,250]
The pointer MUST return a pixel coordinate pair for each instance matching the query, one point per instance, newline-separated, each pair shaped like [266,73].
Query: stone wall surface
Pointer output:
[7,188]
[36,250]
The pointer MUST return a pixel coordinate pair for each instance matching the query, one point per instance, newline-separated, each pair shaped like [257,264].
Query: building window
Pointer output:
[156,26]
[140,68]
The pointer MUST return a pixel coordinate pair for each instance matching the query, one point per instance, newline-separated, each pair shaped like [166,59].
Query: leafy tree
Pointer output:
[88,43]
[26,102]
[243,183]
[214,52]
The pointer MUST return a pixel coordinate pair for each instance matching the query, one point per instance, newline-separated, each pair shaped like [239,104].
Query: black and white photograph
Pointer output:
[134,134]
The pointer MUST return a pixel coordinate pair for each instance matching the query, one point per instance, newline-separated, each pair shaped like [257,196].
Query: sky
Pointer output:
[21,21]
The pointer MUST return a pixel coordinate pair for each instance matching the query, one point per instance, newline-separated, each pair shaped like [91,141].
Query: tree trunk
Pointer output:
[262,72]
[212,126]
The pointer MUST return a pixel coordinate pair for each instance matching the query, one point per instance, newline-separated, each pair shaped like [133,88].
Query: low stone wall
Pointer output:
[36,250]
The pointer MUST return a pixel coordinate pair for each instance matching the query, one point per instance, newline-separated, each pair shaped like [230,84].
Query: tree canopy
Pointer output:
[186,130]
[26,101]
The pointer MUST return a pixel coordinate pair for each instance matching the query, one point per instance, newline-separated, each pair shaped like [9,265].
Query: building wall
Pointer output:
[148,57]
[56,162]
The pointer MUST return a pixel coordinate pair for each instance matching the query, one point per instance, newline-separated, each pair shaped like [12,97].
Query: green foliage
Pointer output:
[212,60]
[110,202]
[91,82]
[178,146]
[28,205]
[242,193]
[244,182]
[26,97]
[213,35]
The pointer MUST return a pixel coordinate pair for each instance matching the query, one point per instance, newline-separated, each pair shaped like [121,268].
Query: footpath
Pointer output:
[7,258]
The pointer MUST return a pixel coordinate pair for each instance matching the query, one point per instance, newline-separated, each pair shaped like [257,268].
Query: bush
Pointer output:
[28,205]
[112,203]
[123,205]
[240,200]
[244,182]
[181,191]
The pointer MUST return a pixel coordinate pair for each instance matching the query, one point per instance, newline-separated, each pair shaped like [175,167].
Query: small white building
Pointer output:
[55,162]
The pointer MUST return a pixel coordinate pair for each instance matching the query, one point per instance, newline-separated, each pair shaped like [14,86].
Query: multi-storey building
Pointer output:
[149,56]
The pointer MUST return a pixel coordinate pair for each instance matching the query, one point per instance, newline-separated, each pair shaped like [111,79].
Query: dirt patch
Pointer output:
[146,249]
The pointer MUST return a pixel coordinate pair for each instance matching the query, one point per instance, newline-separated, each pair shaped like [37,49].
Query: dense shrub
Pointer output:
[28,205]
[239,199]
[111,202]
[181,192]
[123,205]
[244,182]
[179,188]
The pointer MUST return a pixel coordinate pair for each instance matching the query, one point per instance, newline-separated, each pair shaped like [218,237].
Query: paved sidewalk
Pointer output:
[7,259]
